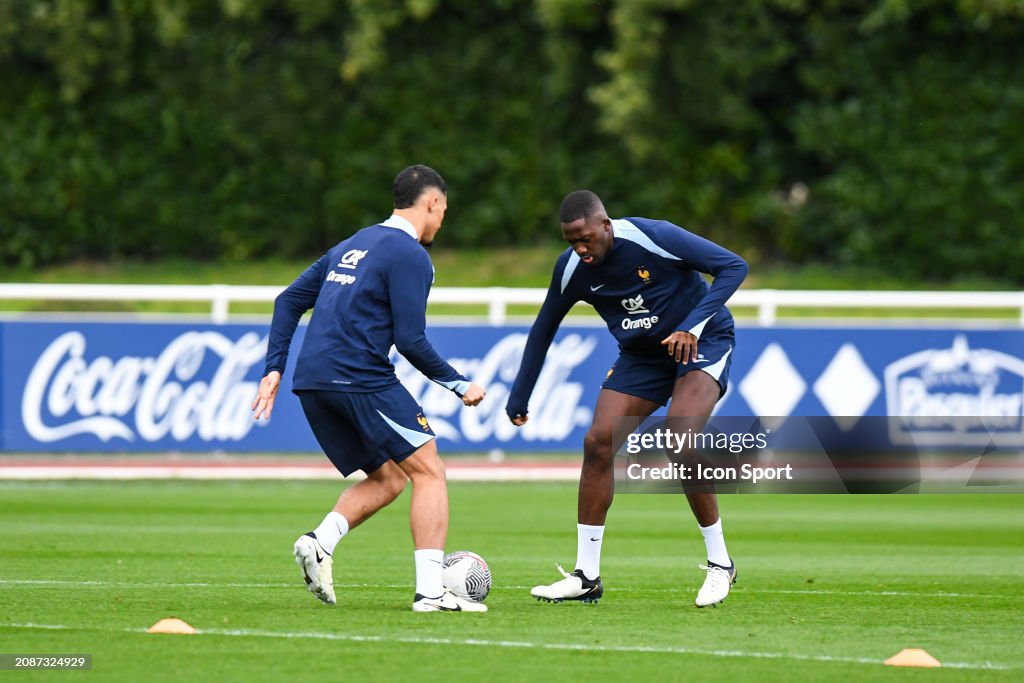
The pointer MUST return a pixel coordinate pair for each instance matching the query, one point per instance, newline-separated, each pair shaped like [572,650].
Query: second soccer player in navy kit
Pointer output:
[675,340]
[367,293]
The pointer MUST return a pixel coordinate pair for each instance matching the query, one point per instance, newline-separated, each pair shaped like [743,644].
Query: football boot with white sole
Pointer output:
[716,584]
[574,586]
[316,565]
[446,603]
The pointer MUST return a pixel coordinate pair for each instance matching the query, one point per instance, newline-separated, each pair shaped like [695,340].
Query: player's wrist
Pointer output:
[461,387]
[514,412]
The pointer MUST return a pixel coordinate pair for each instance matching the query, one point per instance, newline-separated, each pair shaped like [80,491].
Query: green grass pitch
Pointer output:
[829,586]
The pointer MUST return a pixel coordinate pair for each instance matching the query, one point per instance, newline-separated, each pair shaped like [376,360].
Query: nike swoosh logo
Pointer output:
[595,539]
[319,557]
[436,561]
[701,360]
[441,607]
[594,289]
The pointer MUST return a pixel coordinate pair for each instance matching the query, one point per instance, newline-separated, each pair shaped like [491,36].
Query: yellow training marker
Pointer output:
[913,656]
[171,625]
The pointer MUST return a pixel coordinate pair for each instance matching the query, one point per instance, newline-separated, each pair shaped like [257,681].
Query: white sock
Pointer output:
[588,549]
[428,572]
[331,530]
[715,542]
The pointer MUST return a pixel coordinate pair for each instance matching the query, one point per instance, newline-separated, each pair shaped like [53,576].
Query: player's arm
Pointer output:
[289,306]
[728,271]
[556,304]
[408,287]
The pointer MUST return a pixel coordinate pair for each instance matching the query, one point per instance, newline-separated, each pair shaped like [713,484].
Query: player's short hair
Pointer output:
[411,182]
[580,204]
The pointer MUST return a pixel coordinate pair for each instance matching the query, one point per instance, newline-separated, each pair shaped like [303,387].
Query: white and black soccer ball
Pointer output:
[466,575]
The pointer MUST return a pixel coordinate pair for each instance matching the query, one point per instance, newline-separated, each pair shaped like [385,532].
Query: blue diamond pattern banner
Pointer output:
[137,386]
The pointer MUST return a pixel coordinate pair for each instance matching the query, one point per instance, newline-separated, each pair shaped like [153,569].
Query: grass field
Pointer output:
[829,586]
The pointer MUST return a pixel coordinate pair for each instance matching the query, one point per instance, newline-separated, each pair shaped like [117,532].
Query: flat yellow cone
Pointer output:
[913,656]
[171,625]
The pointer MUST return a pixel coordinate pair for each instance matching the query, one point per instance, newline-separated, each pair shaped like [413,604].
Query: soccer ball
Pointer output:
[466,575]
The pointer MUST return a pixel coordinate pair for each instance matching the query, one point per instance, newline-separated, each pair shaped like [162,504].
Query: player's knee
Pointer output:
[395,485]
[424,465]
[391,478]
[597,446]
[428,477]
[689,457]
[435,468]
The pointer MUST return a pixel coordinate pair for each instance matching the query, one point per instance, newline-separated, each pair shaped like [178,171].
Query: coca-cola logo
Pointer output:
[555,409]
[145,397]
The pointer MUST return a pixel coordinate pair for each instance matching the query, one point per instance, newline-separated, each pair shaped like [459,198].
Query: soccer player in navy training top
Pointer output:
[368,293]
[675,341]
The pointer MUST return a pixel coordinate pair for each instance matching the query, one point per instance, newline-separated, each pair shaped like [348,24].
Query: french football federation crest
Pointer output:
[644,274]
[423,421]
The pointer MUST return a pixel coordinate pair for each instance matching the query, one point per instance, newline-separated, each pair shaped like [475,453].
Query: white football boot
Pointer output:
[575,586]
[446,603]
[716,584]
[316,564]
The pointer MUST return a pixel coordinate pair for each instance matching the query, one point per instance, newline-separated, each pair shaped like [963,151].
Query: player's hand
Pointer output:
[264,401]
[681,345]
[473,395]
[519,420]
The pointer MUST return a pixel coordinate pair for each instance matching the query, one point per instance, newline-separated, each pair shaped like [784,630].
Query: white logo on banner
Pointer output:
[937,389]
[555,409]
[101,396]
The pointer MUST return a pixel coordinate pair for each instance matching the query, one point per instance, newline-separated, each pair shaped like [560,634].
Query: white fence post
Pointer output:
[497,306]
[221,300]
[768,308]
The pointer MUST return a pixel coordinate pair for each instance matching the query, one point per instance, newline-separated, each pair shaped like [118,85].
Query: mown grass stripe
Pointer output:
[519,644]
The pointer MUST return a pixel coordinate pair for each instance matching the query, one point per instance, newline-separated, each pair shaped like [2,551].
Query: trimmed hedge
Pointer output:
[882,134]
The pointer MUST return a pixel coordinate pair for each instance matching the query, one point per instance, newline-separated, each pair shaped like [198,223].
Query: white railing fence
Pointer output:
[498,299]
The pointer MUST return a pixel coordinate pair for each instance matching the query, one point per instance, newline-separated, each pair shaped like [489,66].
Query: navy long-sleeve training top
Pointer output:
[647,287]
[367,293]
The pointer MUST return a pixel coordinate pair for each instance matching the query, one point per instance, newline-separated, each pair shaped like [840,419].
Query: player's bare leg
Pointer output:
[597,477]
[313,551]
[360,501]
[596,491]
[693,399]
[428,512]
[428,520]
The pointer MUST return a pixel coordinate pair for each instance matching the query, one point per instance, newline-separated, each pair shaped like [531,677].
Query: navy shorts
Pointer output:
[653,376]
[362,431]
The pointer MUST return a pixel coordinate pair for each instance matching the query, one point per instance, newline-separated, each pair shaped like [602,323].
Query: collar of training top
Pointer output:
[400,223]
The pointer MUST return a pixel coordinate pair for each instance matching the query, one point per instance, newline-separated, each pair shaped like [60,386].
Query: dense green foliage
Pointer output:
[864,132]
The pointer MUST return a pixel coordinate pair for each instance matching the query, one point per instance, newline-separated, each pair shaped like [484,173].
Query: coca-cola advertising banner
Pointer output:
[134,386]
